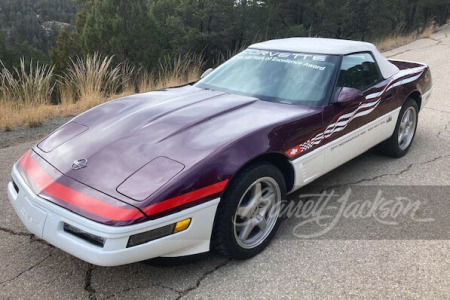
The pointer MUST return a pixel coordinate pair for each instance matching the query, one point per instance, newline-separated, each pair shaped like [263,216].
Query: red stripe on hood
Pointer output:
[47,185]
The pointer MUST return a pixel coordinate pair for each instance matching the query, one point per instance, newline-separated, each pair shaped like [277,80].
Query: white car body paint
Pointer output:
[333,154]
[46,221]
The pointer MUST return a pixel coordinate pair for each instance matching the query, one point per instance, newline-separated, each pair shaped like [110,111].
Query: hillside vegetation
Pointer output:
[60,57]
[29,28]
[142,31]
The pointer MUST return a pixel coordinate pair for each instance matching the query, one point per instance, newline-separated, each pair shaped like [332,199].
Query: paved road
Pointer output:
[355,259]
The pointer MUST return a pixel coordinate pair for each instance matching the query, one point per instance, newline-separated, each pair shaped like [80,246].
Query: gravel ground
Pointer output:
[23,135]
[357,258]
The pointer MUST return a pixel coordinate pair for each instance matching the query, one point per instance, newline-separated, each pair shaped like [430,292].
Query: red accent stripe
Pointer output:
[96,207]
[186,198]
[47,185]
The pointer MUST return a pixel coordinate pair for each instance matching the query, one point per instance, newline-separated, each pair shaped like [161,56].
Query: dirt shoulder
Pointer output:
[23,135]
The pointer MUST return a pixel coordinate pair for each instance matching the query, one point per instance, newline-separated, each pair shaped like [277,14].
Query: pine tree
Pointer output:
[126,29]
[67,47]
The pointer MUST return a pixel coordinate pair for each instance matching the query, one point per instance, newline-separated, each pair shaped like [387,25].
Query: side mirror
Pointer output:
[346,94]
[207,72]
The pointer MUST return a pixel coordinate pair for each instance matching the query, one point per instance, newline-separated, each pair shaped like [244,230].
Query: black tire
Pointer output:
[391,146]
[223,238]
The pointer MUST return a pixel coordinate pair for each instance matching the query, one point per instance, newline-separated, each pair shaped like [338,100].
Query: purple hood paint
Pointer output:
[200,129]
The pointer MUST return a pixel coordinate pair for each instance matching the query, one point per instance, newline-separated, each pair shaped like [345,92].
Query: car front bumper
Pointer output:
[46,220]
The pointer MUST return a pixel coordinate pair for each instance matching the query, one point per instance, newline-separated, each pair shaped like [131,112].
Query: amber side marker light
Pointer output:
[148,236]
[182,225]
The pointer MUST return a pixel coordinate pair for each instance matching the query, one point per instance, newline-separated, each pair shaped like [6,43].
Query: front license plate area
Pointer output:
[32,217]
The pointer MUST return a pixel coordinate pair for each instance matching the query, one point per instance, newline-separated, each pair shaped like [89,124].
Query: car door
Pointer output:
[355,125]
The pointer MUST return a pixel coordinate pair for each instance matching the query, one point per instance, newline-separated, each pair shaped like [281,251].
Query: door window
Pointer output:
[358,71]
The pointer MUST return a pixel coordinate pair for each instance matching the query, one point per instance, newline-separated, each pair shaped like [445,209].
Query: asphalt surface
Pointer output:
[377,257]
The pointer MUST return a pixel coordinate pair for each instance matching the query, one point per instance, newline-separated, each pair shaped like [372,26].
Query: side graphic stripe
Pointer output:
[96,207]
[363,109]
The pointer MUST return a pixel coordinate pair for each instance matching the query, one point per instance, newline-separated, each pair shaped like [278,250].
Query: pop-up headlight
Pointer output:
[62,135]
[148,179]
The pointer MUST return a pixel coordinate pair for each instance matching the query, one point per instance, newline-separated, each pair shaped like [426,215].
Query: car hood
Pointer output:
[180,125]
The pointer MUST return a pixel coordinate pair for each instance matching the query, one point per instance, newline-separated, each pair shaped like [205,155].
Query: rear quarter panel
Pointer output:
[416,81]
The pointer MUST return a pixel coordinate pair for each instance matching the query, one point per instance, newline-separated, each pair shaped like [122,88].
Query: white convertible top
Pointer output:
[330,47]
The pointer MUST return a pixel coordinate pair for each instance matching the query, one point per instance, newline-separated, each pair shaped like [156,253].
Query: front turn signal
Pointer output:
[148,236]
[182,225]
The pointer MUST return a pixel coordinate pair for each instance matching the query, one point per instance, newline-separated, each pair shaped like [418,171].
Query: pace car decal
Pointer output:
[364,108]
[341,123]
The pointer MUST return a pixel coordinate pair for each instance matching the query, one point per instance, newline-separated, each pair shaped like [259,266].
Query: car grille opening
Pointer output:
[88,237]
[16,188]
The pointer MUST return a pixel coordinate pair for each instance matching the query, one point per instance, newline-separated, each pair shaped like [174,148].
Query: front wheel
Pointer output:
[248,214]
[400,141]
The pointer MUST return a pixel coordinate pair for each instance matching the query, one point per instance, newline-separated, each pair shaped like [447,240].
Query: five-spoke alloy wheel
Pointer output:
[257,212]
[405,129]
[249,211]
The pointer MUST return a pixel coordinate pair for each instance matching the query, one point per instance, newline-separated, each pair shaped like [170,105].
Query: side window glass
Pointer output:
[358,71]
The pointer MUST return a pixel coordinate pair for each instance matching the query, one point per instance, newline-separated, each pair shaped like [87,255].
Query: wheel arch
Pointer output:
[416,96]
[278,160]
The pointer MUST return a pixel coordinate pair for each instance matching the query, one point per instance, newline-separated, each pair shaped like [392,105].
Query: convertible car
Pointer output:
[205,166]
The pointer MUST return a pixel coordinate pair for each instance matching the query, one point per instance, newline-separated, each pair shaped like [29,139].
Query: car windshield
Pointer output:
[276,76]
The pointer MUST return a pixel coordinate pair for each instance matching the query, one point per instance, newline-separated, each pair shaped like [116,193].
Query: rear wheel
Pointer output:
[400,141]
[248,214]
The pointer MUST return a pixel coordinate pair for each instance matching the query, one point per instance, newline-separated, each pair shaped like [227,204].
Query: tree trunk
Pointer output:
[411,16]
[446,15]
[426,12]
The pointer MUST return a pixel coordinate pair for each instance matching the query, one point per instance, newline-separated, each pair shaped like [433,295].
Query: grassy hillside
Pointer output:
[115,47]
[26,91]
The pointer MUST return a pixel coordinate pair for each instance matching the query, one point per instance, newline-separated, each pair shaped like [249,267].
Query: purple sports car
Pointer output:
[184,170]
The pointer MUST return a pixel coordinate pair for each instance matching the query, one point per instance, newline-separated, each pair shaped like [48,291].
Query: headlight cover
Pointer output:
[149,178]
[62,135]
